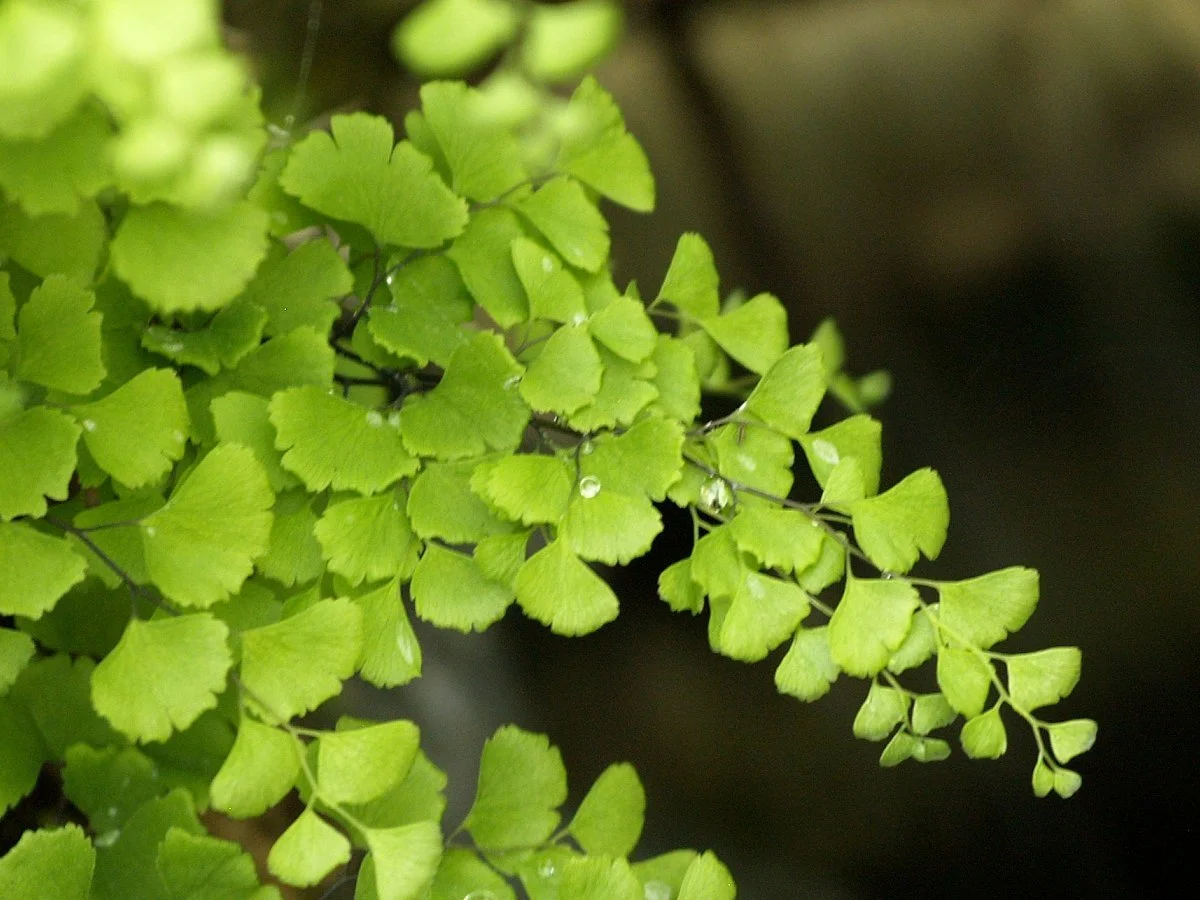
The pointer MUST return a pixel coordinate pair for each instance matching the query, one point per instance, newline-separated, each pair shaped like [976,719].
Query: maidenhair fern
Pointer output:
[260,405]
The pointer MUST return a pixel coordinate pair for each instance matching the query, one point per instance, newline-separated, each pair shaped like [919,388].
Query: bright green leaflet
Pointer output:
[307,851]
[522,783]
[35,570]
[45,863]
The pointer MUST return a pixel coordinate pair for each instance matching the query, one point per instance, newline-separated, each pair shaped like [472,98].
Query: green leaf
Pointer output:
[904,746]
[691,282]
[1071,738]
[755,457]
[931,711]
[54,243]
[390,654]
[566,374]
[552,290]
[179,260]
[295,555]
[1066,783]
[565,41]
[624,328]
[984,737]
[1043,778]
[788,395]
[599,878]
[302,357]
[128,868]
[807,670]
[717,566]
[559,590]
[21,756]
[201,545]
[828,569]
[297,289]
[54,863]
[444,38]
[331,442]
[624,393]
[870,623]
[37,459]
[857,438]
[57,693]
[677,382]
[1039,679]
[884,709]
[35,570]
[483,255]
[300,662]
[357,765]
[429,303]
[522,782]
[241,418]
[561,210]
[662,875]
[984,610]
[462,873]
[142,690]
[501,556]
[608,527]
[259,771]
[16,649]
[307,851]
[762,613]
[965,679]
[610,817]
[359,175]
[784,539]
[755,334]
[707,879]
[137,432]
[647,459]
[58,338]
[676,587]
[919,644]
[450,591]
[404,859]
[910,516]
[601,153]
[223,342]
[474,408]
[442,505]
[53,173]
[43,74]
[419,797]
[368,538]
[200,867]
[483,156]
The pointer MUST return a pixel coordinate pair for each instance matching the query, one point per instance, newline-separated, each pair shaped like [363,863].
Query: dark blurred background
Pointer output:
[1000,203]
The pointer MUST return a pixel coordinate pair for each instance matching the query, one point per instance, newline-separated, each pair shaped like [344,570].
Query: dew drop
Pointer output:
[715,495]
[547,264]
[589,486]
[587,448]
[755,587]
[107,839]
[749,463]
[374,419]
[578,319]
[656,890]
[88,425]
[391,279]
[151,531]
[394,419]
[407,648]
[826,451]
[547,869]
[481,894]
[511,382]
[172,346]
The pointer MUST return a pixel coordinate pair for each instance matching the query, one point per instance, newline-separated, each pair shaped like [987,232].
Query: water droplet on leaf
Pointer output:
[547,869]
[589,486]
[547,264]
[578,319]
[587,448]
[715,495]
[656,890]
[511,382]
[374,419]
[88,425]
[481,894]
